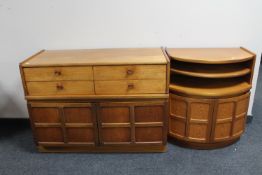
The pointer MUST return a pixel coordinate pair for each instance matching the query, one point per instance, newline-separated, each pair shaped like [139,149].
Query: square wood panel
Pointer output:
[242,106]
[80,134]
[239,126]
[178,107]
[45,115]
[198,132]
[49,134]
[199,110]
[116,134]
[222,130]
[115,114]
[78,115]
[149,113]
[225,110]
[149,134]
[177,127]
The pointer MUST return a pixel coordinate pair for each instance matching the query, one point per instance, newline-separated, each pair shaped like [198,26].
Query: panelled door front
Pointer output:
[190,118]
[132,123]
[63,123]
[229,117]
[207,120]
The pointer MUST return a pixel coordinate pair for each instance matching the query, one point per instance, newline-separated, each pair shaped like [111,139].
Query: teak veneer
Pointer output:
[98,100]
[209,95]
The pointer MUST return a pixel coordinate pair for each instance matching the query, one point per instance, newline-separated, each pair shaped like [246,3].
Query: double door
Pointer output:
[98,124]
[207,120]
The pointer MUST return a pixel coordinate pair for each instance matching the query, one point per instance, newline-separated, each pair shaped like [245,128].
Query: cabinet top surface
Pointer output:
[97,57]
[210,55]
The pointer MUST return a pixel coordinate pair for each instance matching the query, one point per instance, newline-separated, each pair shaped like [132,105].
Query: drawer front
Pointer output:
[58,73]
[134,72]
[61,88]
[130,87]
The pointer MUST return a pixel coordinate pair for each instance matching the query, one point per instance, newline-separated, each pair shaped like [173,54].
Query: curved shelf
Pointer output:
[211,73]
[210,55]
[210,89]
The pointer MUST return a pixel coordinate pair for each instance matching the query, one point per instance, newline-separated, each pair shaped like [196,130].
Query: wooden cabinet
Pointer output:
[209,95]
[98,100]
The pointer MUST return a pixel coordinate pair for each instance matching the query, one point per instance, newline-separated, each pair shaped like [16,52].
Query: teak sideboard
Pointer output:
[209,95]
[98,100]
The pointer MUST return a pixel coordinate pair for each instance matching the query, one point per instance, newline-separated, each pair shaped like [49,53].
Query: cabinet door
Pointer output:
[80,123]
[229,117]
[150,122]
[132,123]
[47,123]
[199,119]
[63,123]
[178,116]
[114,123]
[190,118]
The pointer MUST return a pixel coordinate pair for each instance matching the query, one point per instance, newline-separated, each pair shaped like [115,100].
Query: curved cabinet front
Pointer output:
[207,123]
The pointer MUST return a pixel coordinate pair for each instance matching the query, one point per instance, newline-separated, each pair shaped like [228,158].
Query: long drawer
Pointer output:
[61,88]
[58,73]
[134,72]
[130,87]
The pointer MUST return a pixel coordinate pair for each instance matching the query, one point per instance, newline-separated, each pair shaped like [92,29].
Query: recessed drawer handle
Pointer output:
[130,86]
[57,72]
[59,87]
[129,72]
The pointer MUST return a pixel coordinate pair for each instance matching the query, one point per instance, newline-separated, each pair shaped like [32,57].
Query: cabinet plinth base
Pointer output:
[202,146]
[103,149]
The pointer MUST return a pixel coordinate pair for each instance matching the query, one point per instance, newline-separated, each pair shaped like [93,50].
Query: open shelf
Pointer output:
[209,95]
[209,88]
[210,71]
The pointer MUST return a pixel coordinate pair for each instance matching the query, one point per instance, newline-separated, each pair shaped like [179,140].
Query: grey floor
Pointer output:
[19,156]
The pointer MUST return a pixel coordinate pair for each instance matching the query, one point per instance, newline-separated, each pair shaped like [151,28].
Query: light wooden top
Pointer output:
[210,55]
[97,57]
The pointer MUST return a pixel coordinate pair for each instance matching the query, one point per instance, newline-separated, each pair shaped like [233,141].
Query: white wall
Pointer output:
[26,26]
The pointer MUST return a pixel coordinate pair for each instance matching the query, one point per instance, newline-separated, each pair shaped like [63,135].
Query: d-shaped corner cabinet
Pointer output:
[209,95]
[100,100]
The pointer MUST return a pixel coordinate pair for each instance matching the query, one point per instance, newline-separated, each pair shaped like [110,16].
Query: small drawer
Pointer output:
[58,73]
[60,88]
[133,72]
[130,87]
